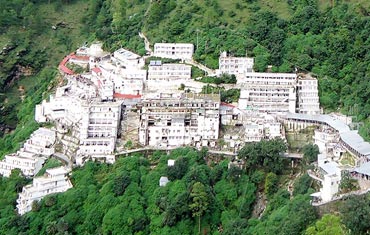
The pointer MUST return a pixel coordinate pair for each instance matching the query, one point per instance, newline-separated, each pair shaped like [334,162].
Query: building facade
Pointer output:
[308,95]
[183,51]
[55,180]
[234,65]
[159,71]
[268,92]
[30,158]
[185,119]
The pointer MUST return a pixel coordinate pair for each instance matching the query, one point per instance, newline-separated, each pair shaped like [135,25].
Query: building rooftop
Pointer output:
[168,44]
[363,169]
[334,123]
[330,168]
[352,138]
[125,54]
[57,171]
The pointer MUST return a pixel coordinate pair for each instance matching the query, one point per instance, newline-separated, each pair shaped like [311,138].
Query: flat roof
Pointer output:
[175,44]
[330,168]
[57,171]
[44,132]
[127,54]
[270,75]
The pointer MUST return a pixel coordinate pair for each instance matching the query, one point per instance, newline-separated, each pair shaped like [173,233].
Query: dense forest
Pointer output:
[205,195]
[328,38]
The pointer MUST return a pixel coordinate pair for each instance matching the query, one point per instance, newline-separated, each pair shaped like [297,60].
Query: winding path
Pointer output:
[147,44]
[210,72]
[65,159]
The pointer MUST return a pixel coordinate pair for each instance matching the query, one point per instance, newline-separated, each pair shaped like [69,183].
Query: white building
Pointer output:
[163,181]
[159,71]
[41,142]
[183,51]
[234,65]
[98,128]
[129,81]
[268,92]
[308,95]
[323,138]
[170,162]
[32,155]
[330,179]
[54,181]
[28,163]
[170,120]
[128,59]
[82,108]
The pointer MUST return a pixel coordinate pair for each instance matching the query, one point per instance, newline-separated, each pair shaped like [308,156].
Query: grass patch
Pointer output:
[347,160]
[49,163]
[297,140]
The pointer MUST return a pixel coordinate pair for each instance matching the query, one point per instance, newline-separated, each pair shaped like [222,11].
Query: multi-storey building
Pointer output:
[98,128]
[268,92]
[234,65]
[159,71]
[183,51]
[55,180]
[169,120]
[128,59]
[32,155]
[28,163]
[92,119]
[308,95]
[41,142]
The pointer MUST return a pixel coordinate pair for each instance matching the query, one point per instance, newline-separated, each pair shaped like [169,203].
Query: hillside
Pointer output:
[331,42]
[328,38]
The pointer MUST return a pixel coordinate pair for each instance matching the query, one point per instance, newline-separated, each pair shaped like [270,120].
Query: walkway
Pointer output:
[170,148]
[338,197]
[210,72]
[147,44]
[314,176]
[293,155]
[64,158]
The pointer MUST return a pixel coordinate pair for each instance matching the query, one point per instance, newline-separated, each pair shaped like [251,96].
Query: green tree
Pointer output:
[199,201]
[327,225]
[271,184]
[310,153]
[354,213]
[264,154]
[121,182]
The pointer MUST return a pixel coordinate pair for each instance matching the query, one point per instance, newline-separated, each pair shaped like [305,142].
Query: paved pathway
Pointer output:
[147,44]
[210,72]
[64,158]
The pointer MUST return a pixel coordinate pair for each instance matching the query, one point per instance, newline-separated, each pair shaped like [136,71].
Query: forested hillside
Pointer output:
[204,196]
[328,38]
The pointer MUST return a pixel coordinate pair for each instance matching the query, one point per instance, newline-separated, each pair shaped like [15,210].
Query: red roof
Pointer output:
[76,57]
[96,70]
[62,66]
[126,96]
[228,105]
